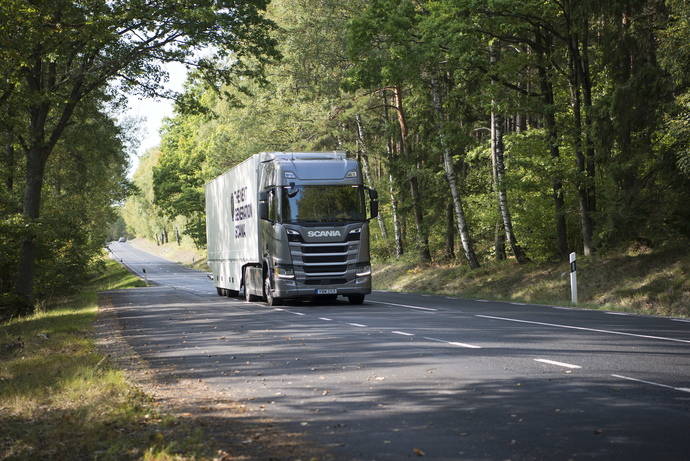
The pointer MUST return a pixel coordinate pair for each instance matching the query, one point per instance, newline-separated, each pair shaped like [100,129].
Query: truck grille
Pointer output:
[309,269]
[325,258]
[323,261]
[319,248]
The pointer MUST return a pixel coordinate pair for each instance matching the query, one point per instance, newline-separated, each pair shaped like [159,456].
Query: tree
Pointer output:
[62,52]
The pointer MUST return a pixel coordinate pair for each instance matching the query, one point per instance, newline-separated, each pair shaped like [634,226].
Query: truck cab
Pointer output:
[314,229]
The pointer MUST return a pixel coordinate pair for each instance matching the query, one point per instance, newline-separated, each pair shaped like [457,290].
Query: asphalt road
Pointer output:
[406,375]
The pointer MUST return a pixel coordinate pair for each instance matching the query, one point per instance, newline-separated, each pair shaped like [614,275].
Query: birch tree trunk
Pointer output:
[497,161]
[390,160]
[463,230]
[497,155]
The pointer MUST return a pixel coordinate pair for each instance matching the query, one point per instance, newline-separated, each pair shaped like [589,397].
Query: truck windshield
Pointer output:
[322,204]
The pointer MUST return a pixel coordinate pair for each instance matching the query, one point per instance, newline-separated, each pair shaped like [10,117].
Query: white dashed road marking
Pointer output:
[357,325]
[404,305]
[453,343]
[596,330]
[395,332]
[560,364]
[326,319]
[652,383]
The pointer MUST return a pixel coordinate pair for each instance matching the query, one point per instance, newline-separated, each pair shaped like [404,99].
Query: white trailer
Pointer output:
[232,224]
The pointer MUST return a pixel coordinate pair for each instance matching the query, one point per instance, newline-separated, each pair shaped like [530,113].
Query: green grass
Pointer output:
[648,282]
[61,399]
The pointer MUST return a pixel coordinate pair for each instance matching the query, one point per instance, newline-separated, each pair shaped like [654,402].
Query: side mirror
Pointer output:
[374,203]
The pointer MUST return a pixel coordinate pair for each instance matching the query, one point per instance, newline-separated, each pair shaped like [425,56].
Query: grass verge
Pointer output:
[62,399]
[640,281]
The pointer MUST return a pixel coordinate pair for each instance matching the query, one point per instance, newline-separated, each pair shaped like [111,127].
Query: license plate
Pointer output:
[327,291]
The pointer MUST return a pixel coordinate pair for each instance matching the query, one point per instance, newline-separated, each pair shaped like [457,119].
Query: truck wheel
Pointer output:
[219,290]
[232,293]
[268,293]
[355,299]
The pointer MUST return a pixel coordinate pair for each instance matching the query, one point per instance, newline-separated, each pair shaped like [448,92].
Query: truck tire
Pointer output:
[268,293]
[355,299]
[232,293]
[219,290]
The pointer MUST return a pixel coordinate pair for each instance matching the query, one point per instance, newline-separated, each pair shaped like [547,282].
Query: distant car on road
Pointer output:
[122,239]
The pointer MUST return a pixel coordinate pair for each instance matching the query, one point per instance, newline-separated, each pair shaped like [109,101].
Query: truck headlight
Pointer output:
[293,235]
[363,270]
[284,272]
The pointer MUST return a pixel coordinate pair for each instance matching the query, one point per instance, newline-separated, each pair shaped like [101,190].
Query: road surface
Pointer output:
[408,375]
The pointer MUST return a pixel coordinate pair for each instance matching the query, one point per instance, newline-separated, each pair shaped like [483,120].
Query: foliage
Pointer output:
[62,63]
[591,102]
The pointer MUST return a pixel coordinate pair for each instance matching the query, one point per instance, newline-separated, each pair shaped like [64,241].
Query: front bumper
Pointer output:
[291,288]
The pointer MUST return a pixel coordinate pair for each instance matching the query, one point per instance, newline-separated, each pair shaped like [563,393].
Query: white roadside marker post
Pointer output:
[573,278]
[146,279]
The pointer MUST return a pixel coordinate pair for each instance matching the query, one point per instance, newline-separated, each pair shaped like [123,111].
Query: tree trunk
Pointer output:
[497,161]
[35,168]
[463,230]
[582,195]
[422,235]
[500,240]
[575,74]
[397,228]
[365,169]
[556,181]
[450,232]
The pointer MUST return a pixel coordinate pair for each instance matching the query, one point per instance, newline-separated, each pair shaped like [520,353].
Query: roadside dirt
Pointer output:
[235,432]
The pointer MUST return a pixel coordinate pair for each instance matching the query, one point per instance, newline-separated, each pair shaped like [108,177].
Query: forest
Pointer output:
[493,130]
[502,130]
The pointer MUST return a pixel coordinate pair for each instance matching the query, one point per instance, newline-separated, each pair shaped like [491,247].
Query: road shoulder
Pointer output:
[231,427]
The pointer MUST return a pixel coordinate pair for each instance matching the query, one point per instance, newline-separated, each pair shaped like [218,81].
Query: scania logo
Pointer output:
[324,233]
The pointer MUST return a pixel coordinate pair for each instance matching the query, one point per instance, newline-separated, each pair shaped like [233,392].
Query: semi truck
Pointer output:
[291,225]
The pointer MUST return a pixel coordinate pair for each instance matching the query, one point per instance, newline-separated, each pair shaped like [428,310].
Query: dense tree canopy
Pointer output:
[523,128]
[60,57]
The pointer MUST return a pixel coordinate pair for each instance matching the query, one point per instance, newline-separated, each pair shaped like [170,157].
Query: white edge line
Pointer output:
[453,343]
[652,383]
[296,313]
[326,319]
[611,332]
[565,308]
[403,305]
[357,325]
[404,333]
[560,364]
[483,300]
[681,320]
[617,313]
[518,304]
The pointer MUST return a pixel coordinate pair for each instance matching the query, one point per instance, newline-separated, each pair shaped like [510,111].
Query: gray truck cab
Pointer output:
[313,228]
